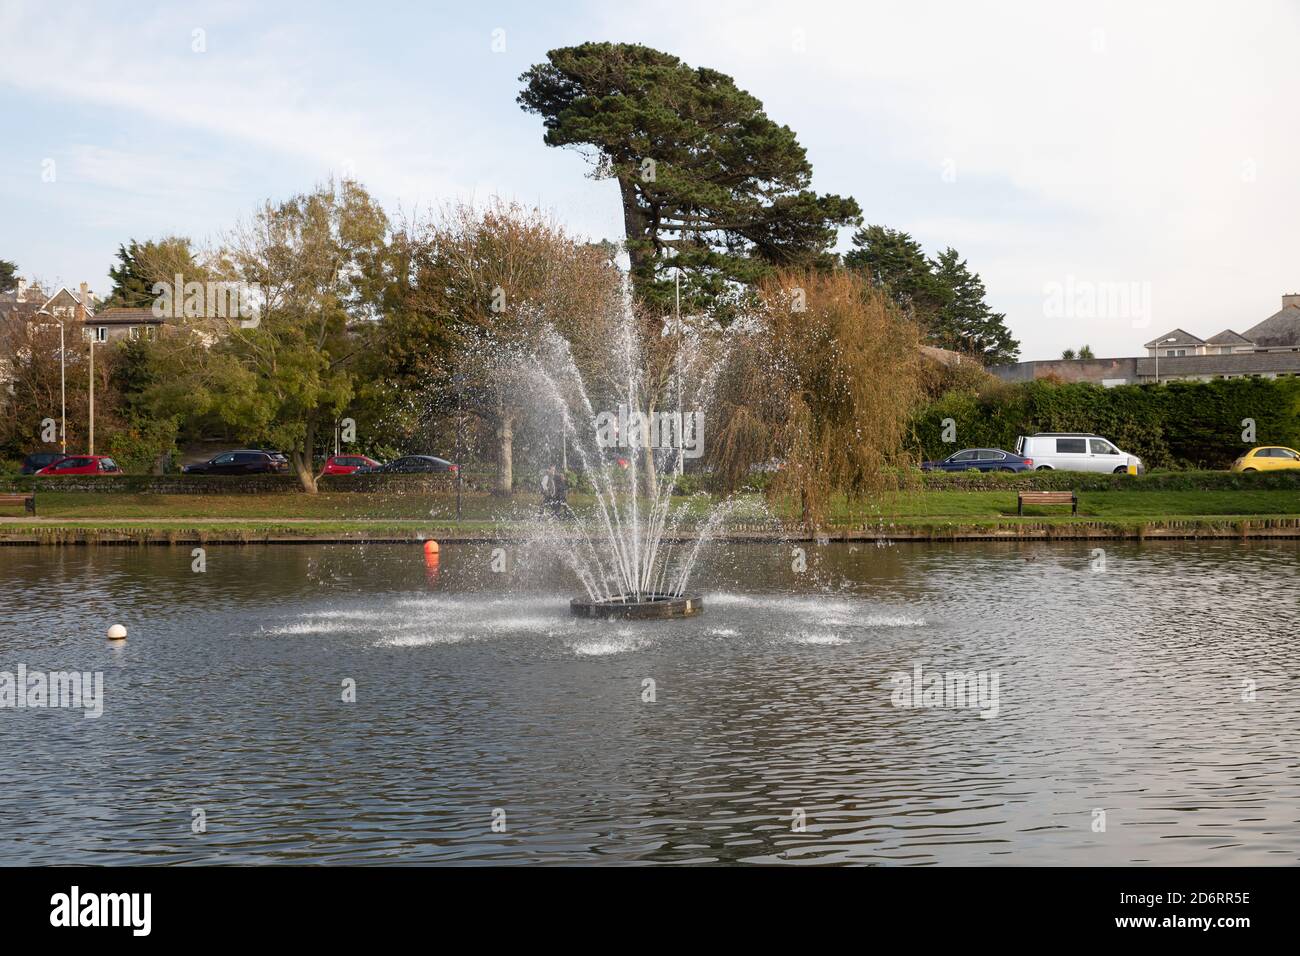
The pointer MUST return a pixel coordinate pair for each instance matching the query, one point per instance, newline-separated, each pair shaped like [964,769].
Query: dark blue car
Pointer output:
[980,459]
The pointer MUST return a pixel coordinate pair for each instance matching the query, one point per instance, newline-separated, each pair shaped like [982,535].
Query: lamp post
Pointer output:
[91,449]
[1171,338]
[63,397]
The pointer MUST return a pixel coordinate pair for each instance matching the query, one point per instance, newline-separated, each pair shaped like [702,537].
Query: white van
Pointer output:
[1076,451]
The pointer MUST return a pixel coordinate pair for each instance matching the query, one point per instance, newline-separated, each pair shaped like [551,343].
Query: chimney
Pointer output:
[22,289]
[1292,300]
[83,304]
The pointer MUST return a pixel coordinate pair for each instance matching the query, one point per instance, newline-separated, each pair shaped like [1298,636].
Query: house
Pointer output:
[118,323]
[1268,349]
[1175,343]
[1228,342]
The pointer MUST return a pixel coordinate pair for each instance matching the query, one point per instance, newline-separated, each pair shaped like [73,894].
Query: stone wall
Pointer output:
[1110,370]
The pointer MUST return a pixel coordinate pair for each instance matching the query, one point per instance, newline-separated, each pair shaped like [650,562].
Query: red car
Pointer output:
[82,465]
[347,464]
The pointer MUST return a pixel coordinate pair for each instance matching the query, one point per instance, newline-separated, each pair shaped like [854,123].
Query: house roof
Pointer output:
[1279,329]
[74,296]
[121,316]
[1179,336]
[1228,337]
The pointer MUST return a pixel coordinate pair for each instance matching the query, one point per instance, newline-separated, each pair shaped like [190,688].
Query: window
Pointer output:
[988,454]
[965,456]
[1101,447]
[1071,446]
[224,460]
[100,334]
[107,464]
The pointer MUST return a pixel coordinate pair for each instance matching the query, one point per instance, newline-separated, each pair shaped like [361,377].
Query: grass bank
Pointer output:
[929,512]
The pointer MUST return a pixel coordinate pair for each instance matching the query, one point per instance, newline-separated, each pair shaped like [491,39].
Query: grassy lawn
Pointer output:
[350,512]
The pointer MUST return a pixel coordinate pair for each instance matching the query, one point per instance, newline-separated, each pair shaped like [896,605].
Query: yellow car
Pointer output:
[1267,458]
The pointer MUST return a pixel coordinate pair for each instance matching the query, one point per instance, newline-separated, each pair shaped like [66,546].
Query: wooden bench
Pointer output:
[28,501]
[1047,498]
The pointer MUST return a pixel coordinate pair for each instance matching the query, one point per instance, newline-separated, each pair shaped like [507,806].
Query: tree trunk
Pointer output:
[636,228]
[648,460]
[302,466]
[302,460]
[505,454]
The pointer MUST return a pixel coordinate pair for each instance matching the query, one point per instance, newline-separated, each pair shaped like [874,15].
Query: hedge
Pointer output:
[1093,481]
[1174,425]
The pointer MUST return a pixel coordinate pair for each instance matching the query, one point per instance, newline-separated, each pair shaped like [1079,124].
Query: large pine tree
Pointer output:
[708,182]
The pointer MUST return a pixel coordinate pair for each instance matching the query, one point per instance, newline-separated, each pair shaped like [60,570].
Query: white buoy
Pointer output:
[117,633]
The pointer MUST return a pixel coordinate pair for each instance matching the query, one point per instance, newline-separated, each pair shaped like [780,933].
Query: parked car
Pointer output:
[38,460]
[82,465]
[980,459]
[412,465]
[244,461]
[1076,451]
[348,464]
[1268,458]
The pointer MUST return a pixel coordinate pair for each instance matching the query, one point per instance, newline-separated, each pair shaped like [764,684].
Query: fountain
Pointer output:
[628,436]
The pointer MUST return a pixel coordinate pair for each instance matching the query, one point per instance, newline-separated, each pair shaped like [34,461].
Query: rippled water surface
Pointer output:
[1125,684]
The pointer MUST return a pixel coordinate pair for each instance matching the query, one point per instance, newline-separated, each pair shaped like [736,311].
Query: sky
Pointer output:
[1111,170]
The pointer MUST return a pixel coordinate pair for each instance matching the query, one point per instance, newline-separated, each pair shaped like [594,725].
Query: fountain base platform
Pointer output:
[650,607]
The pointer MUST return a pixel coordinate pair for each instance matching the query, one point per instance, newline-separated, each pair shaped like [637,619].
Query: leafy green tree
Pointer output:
[8,281]
[141,264]
[318,263]
[1067,354]
[1085,352]
[709,183]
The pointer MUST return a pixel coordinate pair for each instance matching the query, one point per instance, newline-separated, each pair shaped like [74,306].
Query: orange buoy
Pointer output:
[431,547]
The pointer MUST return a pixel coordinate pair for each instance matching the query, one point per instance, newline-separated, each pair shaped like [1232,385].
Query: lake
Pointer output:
[1131,705]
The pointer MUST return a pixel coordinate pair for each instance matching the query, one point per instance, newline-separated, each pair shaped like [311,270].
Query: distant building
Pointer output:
[36,309]
[1268,349]
[117,323]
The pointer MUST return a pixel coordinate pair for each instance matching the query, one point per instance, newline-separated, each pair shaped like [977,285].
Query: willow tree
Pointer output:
[824,380]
